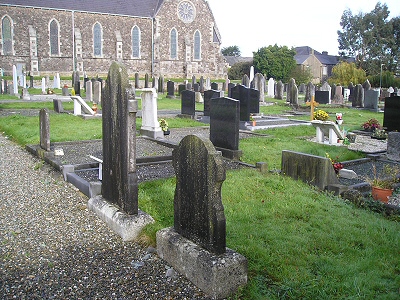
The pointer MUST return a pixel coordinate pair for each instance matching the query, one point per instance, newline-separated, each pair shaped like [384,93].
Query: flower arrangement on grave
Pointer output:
[379,134]
[337,166]
[321,115]
[371,125]
[163,125]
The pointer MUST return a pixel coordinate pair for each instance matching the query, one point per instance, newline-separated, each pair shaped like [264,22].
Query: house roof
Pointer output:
[137,8]
[231,60]
[303,53]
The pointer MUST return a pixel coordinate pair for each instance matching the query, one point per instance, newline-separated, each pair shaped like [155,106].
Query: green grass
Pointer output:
[300,243]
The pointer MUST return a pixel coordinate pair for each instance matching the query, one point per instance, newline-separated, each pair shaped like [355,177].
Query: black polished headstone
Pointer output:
[188,103]
[170,89]
[214,86]
[391,115]
[322,97]
[198,211]
[224,123]
[181,88]
[249,101]
[119,184]
[208,95]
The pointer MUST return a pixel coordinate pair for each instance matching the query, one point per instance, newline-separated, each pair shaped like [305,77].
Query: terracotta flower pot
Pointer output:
[381,194]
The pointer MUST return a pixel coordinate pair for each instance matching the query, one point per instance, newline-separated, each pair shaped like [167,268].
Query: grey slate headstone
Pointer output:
[208,95]
[44,122]
[119,185]
[358,100]
[224,123]
[249,101]
[198,210]
[371,99]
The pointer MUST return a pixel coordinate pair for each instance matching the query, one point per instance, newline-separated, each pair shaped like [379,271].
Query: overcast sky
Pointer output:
[252,24]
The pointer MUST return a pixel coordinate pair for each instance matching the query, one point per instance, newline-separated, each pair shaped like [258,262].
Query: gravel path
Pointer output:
[52,247]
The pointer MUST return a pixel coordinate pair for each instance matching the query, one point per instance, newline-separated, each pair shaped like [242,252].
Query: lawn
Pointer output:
[300,243]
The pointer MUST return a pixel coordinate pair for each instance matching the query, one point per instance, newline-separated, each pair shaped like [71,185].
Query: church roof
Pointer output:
[137,8]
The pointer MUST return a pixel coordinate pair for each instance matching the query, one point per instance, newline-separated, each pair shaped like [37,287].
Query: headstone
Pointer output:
[351,92]
[230,86]
[44,122]
[322,97]
[224,123]
[292,95]
[393,146]
[338,96]
[302,88]
[279,90]
[371,100]
[15,81]
[57,105]
[153,83]
[188,103]
[161,84]
[259,86]
[196,245]
[201,83]
[170,89]
[137,80]
[181,88]
[196,87]
[198,210]
[146,81]
[271,88]
[358,100]
[31,81]
[326,87]
[333,91]
[97,92]
[208,83]
[119,185]
[224,86]
[310,92]
[43,85]
[57,82]
[150,125]
[189,86]
[208,96]
[193,80]
[214,86]
[246,81]
[249,101]
[251,73]
[366,86]
[89,91]
[315,170]
[391,114]
[118,204]
[199,97]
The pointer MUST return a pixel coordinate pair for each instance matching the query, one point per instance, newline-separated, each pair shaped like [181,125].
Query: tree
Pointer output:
[275,62]
[301,75]
[344,73]
[237,71]
[231,51]
[369,37]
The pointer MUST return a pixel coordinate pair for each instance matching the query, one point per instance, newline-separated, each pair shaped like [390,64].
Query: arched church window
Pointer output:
[135,42]
[54,38]
[97,40]
[7,35]
[174,44]
[197,45]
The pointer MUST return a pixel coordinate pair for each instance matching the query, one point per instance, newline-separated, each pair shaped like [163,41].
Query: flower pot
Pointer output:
[381,194]
[166,132]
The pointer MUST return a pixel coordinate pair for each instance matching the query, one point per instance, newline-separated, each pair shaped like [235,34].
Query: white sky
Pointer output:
[252,24]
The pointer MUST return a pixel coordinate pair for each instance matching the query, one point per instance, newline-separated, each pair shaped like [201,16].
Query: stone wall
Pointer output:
[115,28]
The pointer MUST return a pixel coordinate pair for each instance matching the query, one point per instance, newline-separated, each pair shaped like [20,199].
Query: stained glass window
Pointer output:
[174,43]
[197,45]
[97,40]
[7,36]
[54,42]
[135,42]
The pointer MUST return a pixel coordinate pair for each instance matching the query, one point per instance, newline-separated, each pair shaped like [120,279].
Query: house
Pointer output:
[173,38]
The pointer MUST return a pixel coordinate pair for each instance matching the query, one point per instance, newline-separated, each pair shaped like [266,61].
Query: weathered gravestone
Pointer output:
[161,84]
[118,204]
[292,94]
[196,245]
[224,126]
[322,97]
[44,121]
[310,92]
[246,81]
[249,101]
[338,95]
[391,115]
[371,99]
[393,146]
[57,105]
[146,81]
[188,104]
[89,91]
[314,170]
[137,79]
[259,85]
[208,95]
[97,92]
[279,90]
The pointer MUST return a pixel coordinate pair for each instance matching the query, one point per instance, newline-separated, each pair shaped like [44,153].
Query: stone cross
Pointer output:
[119,185]
[198,210]
[312,104]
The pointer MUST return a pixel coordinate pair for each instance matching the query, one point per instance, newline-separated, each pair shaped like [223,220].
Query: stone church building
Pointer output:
[173,38]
